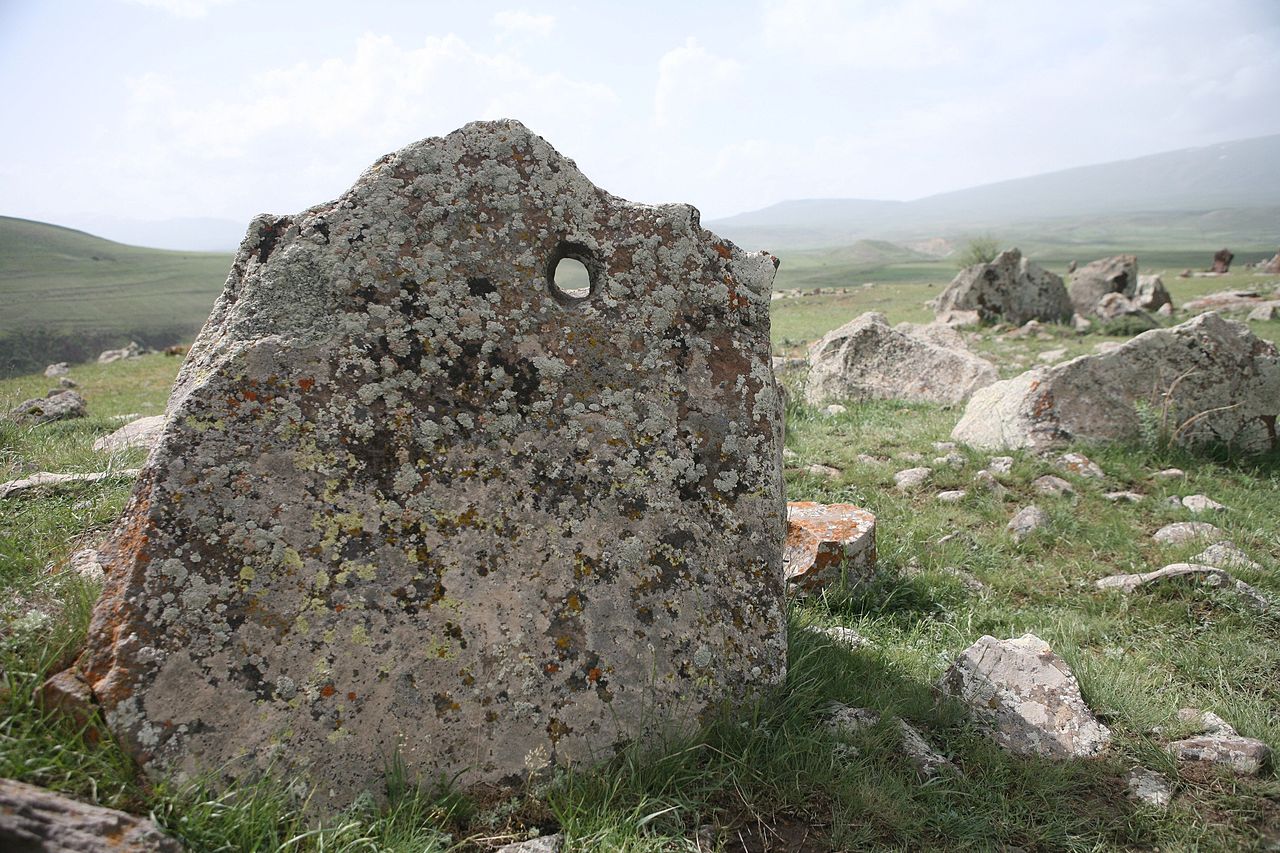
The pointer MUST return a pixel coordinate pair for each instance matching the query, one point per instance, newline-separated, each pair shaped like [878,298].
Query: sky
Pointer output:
[158,109]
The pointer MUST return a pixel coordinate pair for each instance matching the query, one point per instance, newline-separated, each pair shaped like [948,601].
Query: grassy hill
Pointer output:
[66,295]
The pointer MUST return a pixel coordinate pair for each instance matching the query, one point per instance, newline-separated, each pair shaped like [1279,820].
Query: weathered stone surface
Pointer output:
[1026,697]
[1010,288]
[1228,300]
[1093,281]
[1209,575]
[1151,294]
[1242,755]
[113,355]
[1265,312]
[1211,380]
[1081,466]
[984,479]
[544,844]
[1149,787]
[35,819]
[1225,555]
[1181,532]
[1026,521]
[144,432]
[912,478]
[1169,474]
[1123,497]
[952,496]
[1114,306]
[59,405]
[826,540]
[413,499]
[55,370]
[1222,261]
[927,761]
[1270,266]
[1052,486]
[1000,464]
[867,358]
[44,479]
[842,636]
[1202,503]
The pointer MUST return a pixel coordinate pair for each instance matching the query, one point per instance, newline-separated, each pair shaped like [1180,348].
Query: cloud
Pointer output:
[690,77]
[517,23]
[183,8]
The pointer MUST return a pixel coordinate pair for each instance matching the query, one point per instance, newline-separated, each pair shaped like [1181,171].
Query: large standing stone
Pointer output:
[1010,288]
[1026,697]
[1209,381]
[867,358]
[414,500]
[1222,261]
[1108,275]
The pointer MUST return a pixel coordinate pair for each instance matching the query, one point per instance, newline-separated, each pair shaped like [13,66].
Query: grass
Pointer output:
[769,775]
[66,296]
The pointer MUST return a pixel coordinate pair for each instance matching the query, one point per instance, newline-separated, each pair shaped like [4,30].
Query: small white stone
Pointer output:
[1200,503]
[952,496]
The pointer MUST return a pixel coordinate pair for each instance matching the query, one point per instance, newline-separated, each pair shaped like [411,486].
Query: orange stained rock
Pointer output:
[824,539]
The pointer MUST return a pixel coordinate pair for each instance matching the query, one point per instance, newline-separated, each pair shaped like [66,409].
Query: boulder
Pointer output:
[1010,288]
[59,405]
[113,355]
[1151,294]
[144,432]
[1093,281]
[55,370]
[1209,379]
[867,358]
[1228,300]
[1222,261]
[1265,313]
[1026,698]
[415,498]
[35,819]
[826,542]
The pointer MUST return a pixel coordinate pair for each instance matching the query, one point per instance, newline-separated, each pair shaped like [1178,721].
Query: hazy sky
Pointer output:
[154,109]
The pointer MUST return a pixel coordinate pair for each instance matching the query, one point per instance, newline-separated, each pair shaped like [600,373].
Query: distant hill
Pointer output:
[191,234]
[66,295]
[1226,192]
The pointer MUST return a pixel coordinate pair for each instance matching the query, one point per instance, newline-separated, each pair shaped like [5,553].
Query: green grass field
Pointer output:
[769,775]
[67,296]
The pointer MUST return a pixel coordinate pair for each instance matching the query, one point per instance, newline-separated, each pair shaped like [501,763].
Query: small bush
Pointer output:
[980,250]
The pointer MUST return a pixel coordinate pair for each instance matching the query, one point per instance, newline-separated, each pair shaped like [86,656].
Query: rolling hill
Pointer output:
[1225,193]
[66,295]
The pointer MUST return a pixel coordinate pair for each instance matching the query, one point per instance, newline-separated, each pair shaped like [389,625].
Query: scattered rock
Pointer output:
[144,432]
[1081,324]
[1205,722]
[911,478]
[834,409]
[789,455]
[1214,380]
[868,459]
[1026,697]
[1114,306]
[944,446]
[67,382]
[1051,356]
[1222,261]
[1052,486]
[1271,267]
[846,720]
[1081,466]
[927,761]
[825,542]
[1169,474]
[1242,755]
[866,358]
[846,637]
[113,355]
[951,460]
[1123,497]
[1181,532]
[176,349]
[910,456]
[1093,281]
[1151,294]
[59,369]
[1009,288]
[825,471]
[1149,787]
[1200,503]
[45,479]
[543,844]
[57,406]
[1028,520]
[85,562]
[1000,464]
[952,496]
[36,819]
[1225,555]
[1265,312]
[986,480]
[1226,300]
[386,505]
[1209,575]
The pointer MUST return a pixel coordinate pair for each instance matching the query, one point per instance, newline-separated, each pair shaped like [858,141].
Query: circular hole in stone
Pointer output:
[570,273]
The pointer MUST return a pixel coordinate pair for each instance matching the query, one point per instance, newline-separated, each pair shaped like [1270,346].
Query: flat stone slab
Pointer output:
[45,479]
[1241,755]
[826,540]
[415,498]
[36,819]
[144,432]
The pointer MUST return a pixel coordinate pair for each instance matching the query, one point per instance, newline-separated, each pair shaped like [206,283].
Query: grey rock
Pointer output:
[114,355]
[1205,722]
[67,382]
[144,432]
[1201,503]
[59,369]
[544,844]
[1265,313]
[1114,306]
[1212,381]
[1241,755]
[1000,464]
[987,481]
[1210,575]
[1028,520]
[1051,356]
[1149,787]
[1169,474]
[1225,555]
[944,446]
[1052,486]
[834,409]
[1107,347]
[1181,532]
[866,358]
[1151,294]
[1010,288]
[846,637]
[1081,466]
[1081,324]
[1093,281]
[1026,698]
[46,480]
[1123,497]
[35,819]
[911,478]
[454,510]
[57,406]
[824,471]
[951,460]
[952,496]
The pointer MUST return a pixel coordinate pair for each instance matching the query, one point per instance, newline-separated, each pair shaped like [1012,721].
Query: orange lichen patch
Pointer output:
[327,691]
[551,668]
[823,540]
[306,384]
[351,697]
[593,674]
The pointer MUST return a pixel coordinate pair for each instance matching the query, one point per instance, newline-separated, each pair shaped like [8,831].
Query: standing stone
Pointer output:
[416,501]
[868,358]
[1093,281]
[1010,288]
[1222,261]
[1211,381]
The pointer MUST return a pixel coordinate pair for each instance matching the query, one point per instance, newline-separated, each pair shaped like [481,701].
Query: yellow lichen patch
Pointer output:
[292,560]
[247,573]
[359,635]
